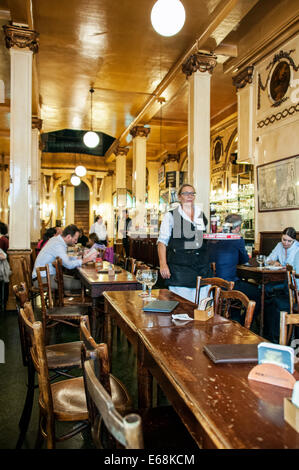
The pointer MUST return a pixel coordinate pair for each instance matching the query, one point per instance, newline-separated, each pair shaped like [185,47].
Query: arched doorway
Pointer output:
[82,206]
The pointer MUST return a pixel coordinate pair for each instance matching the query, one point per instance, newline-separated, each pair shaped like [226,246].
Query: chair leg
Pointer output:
[27,410]
[39,437]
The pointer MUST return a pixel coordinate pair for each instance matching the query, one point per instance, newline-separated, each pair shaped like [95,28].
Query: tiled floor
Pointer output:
[13,377]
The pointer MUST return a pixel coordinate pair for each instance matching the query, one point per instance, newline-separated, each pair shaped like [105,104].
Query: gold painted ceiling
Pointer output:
[111,45]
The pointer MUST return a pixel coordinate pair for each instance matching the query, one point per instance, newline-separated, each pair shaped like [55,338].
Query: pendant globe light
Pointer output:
[91,138]
[80,170]
[75,180]
[168,17]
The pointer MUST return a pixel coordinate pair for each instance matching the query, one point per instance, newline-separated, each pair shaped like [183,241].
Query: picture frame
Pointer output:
[278,185]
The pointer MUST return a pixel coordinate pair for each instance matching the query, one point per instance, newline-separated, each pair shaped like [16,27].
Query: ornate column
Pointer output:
[120,177]
[139,134]
[35,181]
[70,204]
[153,184]
[246,117]
[198,69]
[108,203]
[22,44]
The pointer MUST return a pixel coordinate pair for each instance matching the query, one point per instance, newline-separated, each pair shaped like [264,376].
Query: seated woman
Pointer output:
[94,242]
[276,304]
[51,232]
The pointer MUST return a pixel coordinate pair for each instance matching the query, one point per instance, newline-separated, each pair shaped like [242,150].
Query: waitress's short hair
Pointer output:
[290,232]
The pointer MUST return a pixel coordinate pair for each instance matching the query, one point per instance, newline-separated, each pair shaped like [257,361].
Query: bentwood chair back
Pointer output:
[213,282]
[237,300]
[54,399]
[61,359]
[293,290]
[120,396]
[76,297]
[287,320]
[126,430]
[51,316]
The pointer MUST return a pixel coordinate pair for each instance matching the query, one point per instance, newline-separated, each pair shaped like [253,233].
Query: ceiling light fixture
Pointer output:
[80,170]
[168,17]
[91,138]
[75,180]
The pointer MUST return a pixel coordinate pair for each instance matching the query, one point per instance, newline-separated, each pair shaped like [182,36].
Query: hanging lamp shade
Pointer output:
[91,138]
[168,17]
[75,180]
[80,170]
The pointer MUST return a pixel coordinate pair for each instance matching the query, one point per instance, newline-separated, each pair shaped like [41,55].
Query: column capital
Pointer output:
[121,150]
[243,77]
[199,62]
[16,36]
[139,131]
[37,123]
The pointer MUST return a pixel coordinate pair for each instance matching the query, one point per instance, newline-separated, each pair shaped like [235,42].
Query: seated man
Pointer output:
[57,246]
[227,254]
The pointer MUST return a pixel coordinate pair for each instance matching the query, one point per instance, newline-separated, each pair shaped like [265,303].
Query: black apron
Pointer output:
[187,253]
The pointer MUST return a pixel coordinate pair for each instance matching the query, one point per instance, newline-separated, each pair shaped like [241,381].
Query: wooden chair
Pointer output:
[130,265]
[236,299]
[285,320]
[64,297]
[214,282]
[126,430]
[33,291]
[293,296]
[120,397]
[152,428]
[61,359]
[54,399]
[51,316]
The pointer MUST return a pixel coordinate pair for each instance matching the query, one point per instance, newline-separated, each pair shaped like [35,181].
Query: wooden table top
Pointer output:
[236,413]
[129,305]
[88,272]
[261,275]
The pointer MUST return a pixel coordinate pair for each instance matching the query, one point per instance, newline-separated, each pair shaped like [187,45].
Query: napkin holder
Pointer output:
[291,413]
[204,315]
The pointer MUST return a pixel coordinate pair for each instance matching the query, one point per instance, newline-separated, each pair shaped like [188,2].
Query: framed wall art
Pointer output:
[278,185]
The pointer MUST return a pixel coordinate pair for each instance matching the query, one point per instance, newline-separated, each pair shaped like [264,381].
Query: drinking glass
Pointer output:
[140,278]
[260,259]
[150,279]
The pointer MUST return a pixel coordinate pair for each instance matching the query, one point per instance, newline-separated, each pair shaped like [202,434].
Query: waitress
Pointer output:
[183,254]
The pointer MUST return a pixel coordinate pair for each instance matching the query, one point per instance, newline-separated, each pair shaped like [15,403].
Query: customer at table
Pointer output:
[100,229]
[83,239]
[285,251]
[57,247]
[283,254]
[183,254]
[276,304]
[227,254]
[49,233]
[4,243]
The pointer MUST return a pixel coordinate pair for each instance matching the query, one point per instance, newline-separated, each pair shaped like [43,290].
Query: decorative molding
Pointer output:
[110,173]
[37,123]
[121,150]
[282,55]
[140,131]
[277,117]
[217,149]
[244,77]
[16,36]
[199,62]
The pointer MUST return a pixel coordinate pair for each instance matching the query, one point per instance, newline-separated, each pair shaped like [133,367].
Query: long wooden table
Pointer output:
[261,276]
[217,403]
[98,283]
